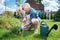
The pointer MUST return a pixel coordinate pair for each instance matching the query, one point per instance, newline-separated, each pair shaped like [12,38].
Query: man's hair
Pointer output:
[26,4]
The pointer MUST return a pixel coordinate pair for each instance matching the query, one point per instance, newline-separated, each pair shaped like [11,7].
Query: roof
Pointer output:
[33,4]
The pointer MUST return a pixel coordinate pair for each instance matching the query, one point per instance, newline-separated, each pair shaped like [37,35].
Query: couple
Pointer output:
[29,16]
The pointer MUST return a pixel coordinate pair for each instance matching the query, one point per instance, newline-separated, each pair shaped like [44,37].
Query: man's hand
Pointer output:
[25,24]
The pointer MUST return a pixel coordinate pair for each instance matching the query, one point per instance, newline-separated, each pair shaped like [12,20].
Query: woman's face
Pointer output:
[19,11]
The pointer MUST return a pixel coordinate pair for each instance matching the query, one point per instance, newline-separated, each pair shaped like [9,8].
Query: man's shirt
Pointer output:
[33,14]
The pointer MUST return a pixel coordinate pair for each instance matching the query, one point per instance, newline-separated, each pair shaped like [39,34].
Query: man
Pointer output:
[32,17]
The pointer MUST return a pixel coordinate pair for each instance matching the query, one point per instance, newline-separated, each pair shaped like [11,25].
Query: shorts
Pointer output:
[36,19]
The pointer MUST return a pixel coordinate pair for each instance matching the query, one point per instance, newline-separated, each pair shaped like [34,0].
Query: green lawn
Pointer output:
[29,35]
[11,22]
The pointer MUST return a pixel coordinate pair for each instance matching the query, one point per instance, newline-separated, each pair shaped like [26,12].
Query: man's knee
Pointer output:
[34,21]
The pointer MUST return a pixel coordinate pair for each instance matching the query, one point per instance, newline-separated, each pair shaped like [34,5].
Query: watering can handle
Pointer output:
[43,22]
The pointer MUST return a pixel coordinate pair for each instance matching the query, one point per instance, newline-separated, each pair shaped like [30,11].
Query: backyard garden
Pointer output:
[9,25]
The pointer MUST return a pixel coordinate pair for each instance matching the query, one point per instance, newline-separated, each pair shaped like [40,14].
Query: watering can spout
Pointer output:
[55,27]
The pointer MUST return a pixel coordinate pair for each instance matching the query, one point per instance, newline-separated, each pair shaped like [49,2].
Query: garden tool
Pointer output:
[44,29]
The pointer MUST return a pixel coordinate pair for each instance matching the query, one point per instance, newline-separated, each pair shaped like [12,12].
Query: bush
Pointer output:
[8,13]
[4,23]
[9,22]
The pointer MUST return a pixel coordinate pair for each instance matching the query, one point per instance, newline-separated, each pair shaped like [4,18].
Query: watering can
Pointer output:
[44,29]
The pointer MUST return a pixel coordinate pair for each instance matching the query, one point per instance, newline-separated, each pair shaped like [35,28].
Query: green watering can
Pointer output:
[44,29]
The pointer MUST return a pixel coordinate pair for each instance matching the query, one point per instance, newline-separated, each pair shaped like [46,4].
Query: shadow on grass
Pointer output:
[27,33]
[8,35]
[40,37]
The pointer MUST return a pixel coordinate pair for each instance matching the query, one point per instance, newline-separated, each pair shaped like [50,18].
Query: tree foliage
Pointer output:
[57,15]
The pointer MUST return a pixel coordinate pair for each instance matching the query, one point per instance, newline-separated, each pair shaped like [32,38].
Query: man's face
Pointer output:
[26,9]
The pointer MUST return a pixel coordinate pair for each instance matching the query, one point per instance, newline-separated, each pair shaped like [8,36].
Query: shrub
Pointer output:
[8,13]
[4,23]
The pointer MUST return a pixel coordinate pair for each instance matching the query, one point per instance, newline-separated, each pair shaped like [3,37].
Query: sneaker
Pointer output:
[36,31]
[18,33]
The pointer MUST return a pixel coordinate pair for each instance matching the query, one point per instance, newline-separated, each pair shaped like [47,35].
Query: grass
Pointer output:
[26,35]
[29,35]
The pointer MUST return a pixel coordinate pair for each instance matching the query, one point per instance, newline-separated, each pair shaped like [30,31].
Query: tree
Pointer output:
[45,15]
[57,15]
[41,15]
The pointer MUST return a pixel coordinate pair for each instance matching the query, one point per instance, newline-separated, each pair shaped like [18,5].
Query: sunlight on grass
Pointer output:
[29,35]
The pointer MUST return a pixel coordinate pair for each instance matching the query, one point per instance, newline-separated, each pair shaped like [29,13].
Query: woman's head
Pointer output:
[19,10]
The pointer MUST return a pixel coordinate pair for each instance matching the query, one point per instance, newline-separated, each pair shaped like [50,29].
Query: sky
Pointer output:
[7,5]
[10,5]
[51,5]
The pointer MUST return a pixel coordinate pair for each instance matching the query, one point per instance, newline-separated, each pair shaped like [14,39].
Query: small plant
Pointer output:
[1,22]
[15,30]
[4,24]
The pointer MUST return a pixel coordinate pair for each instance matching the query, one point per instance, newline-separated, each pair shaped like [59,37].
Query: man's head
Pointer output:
[26,7]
